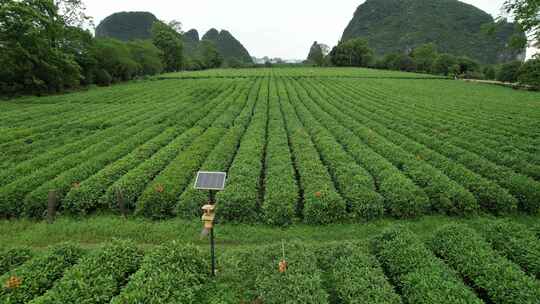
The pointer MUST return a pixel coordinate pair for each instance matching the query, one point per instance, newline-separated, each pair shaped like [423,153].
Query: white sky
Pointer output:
[277,28]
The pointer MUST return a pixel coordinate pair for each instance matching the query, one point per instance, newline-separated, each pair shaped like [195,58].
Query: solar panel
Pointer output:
[210,180]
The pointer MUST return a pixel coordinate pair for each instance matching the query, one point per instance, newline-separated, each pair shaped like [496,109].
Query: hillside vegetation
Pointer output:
[228,46]
[393,26]
[138,25]
[127,26]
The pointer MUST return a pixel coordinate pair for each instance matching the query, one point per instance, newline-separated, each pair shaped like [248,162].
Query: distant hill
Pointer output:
[138,25]
[228,46]
[127,26]
[392,26]
[191,42]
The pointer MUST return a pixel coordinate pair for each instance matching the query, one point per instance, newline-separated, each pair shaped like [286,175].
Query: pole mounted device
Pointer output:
[211,181]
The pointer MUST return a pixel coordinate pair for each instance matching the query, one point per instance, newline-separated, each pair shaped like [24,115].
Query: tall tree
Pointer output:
[527,14]
[169,41]
[210,56]
[32,54]
[424,56]
[316,54]
[74,13]
[354,52]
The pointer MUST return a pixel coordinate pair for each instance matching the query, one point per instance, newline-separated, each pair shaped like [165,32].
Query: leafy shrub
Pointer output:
[39,274]
[418,274]
[11,258]
[529,73]
[301,283]
[147,56]
[358,277]
[443,64]
[171,273]
[500,280]
[515,242]
[509,72]
[353,52]
[255,274]
[489,72]
[102,78]
[97,277]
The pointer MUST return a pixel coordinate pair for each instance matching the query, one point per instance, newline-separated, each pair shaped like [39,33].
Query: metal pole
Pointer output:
[212,252]
[211,196]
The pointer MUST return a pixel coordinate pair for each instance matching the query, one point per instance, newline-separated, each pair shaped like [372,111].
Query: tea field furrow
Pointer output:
[520,161]
[490,196]
[220,159]
[500,280]
[322,204]
[239,200]
[281,190]
[133,183]
[419,276]
[11,195]
[355,183]
[159,198]
[524,188]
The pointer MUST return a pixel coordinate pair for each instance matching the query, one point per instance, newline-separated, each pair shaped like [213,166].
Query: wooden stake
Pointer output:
[121,202]
[51,206]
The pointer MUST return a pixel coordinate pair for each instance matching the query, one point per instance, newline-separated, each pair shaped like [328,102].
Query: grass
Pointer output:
[93,231]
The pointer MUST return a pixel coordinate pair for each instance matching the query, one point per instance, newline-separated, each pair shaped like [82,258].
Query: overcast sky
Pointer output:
[278,28]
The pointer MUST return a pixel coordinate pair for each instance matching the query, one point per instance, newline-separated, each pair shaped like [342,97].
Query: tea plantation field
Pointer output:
[317,146]
[373,187]
[469,261]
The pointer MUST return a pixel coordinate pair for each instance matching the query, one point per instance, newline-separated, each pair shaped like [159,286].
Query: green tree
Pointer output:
[527,15]
[316,55]
[354,52]
[73,13]
[529,73]
[147,55]
[489,72]
[424,56]
[509,72]
[169,41]
[467,65]
[32,54]
[445,65]
[210,56]
[114,57]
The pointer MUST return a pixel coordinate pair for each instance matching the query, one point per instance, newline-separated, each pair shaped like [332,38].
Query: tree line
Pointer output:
[426,59]
[44,49]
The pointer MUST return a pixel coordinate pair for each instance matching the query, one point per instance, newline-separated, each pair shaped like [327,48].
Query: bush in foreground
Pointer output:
[500,280]
[172,273]
[39,274]
[417,272]
[13,257]
[97,278]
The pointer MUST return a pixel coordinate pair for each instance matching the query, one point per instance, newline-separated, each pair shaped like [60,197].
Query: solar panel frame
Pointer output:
[202,182]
